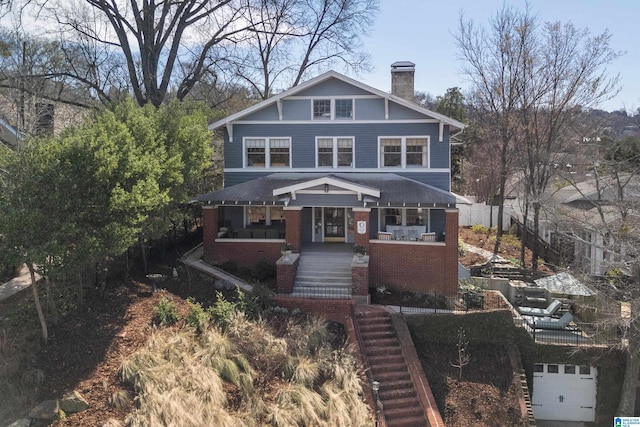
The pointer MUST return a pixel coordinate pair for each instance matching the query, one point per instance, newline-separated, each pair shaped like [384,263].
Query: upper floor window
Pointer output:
[416,152]
[321,108]
[335,152]
[327,109]
[267,152]
[404,152]
[344,108]
[391,152]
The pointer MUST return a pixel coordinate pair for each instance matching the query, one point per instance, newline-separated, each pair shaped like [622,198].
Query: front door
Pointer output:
[334,224]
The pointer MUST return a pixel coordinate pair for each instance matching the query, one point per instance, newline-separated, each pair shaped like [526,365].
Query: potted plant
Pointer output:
[286,249]
[360,252]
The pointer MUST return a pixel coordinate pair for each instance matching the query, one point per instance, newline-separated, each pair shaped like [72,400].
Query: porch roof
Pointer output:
[332,189]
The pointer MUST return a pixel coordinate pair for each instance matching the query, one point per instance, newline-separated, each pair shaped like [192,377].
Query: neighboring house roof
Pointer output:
[8,134]
[296,189]
[335,75]
[587,190]
[565,284]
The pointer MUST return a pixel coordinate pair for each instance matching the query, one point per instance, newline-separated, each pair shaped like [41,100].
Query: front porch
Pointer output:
[422,265]
[409,229]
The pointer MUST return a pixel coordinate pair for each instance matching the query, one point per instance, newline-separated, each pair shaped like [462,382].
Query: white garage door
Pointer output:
[564,392]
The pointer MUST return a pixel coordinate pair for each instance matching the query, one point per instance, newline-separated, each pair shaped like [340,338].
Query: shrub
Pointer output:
[260,301]
[120,399]
[480,229]
[229,266]
[472,295]
[222,311]
[197,317]
[359,250]
[511,240]
[264,271]
[462,247]
[165,312]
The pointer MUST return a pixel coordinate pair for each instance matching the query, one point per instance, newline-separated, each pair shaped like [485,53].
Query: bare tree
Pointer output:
[565,69]
[159,48]
[493,60]
[289,39]
[150,42]
[528,81]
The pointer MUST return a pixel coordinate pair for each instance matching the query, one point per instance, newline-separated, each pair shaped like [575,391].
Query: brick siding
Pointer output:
[416,266]
[336,310]
[209,231]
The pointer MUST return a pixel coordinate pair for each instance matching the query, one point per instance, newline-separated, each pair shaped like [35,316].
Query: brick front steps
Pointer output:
[401,404]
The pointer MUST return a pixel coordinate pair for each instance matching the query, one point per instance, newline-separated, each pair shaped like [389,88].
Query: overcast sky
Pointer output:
[421,31]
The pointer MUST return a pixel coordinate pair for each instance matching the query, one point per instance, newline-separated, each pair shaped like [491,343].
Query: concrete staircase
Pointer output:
[324,272]
[401,405]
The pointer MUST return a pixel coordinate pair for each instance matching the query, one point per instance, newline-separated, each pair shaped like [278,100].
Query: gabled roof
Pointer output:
[329,180]
[335,75]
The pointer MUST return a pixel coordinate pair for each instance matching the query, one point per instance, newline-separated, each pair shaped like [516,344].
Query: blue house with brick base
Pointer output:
[335,163]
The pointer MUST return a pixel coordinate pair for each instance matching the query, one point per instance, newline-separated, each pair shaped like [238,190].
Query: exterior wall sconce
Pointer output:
[326,188]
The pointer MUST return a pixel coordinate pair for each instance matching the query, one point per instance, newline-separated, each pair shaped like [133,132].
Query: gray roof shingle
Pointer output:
[394,190]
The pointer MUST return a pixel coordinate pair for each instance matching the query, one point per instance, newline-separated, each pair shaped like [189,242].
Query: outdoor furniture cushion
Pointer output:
[549,323]
[541,312]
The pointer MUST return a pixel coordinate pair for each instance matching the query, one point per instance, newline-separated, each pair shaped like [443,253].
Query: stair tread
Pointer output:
[401,402]
[409,422]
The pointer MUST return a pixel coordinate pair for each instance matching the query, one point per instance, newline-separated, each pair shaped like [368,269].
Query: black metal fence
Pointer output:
[433,303]
[575,334]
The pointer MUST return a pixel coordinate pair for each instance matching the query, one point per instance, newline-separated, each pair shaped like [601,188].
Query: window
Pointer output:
[268,152]
[325,152]
[404,216]
[256,153]
[328,109]
[585,370]
[279,152]
[391,151]
[552,369]
[404,152]
[344,108]
[569,369]
[392,216]
[416,152]
[256,215]
[415,217]
[538,367]
[264,215]
[345,152]
[321,109]
[335,152]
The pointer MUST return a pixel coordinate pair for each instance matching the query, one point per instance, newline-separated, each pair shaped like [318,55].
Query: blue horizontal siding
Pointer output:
[296,109]
[270,112]
[369,109]
[332,87]
[366,145]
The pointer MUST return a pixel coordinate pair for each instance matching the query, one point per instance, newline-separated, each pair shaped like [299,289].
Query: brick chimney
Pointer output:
[402,79]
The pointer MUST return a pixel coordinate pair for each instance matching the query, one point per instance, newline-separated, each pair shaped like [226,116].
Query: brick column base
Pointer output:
[286,273]
[360,276]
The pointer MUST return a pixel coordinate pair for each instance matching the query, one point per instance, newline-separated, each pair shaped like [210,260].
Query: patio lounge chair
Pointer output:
[549,323]
[541,312]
